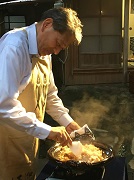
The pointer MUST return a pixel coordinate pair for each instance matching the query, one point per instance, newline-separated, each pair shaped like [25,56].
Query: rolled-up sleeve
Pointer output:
[55,107]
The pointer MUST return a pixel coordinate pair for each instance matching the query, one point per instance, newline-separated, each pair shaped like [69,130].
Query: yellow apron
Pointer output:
[18,150]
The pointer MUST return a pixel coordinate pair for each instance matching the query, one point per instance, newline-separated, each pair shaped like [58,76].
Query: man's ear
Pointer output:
[47,23]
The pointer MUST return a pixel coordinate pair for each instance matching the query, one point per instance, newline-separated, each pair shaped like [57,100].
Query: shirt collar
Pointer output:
[32,39]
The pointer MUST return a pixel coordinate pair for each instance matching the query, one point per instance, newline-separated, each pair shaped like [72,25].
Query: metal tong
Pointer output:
[76,146]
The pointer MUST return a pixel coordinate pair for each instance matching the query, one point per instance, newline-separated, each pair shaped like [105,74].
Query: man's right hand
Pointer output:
[59,134]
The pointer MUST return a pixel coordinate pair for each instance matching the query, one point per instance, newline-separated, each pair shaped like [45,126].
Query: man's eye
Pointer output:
[58,44]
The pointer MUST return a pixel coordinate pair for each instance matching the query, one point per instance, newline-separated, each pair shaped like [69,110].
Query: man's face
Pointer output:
[51,41]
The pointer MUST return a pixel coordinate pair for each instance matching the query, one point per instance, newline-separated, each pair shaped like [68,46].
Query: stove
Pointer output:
[114,170]
[61,173]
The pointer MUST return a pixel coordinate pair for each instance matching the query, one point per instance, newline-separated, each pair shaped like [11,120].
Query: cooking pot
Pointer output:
[79,167]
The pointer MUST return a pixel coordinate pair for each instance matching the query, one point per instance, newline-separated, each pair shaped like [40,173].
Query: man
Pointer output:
[27,90]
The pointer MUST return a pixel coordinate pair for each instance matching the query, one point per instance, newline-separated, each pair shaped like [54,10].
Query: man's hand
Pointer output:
[59,134]
[72,126]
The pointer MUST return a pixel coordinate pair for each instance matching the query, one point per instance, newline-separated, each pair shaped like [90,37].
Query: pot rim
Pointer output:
[107,150]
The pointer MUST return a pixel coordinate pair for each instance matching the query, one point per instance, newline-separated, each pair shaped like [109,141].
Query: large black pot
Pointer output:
[78,167]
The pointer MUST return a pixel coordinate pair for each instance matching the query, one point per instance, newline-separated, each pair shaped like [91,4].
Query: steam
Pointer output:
[109,112]
[89,111]
[111,115]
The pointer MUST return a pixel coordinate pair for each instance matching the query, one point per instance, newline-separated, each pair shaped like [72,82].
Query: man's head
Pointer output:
[58,28]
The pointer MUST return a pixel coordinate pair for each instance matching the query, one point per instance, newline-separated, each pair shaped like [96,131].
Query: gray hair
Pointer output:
[65,19]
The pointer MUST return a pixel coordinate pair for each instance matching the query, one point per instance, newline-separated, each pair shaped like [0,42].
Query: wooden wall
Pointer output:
[98,57]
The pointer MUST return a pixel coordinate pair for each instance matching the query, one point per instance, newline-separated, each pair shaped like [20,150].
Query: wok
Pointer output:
[79,166]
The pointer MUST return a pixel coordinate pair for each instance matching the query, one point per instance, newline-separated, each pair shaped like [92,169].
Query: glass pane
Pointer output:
[110,44]
[110,25]
[112,7]
[16,25]
[89,44]
[91,26]
[6,25]
[89,7]
[17,19]
[6,19]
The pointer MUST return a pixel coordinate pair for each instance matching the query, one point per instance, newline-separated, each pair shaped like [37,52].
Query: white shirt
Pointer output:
[16,50]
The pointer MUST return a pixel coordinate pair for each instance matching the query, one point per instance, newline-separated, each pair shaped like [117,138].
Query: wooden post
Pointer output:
[125,42]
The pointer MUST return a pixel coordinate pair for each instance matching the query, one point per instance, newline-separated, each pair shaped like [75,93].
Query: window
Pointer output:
[12,22]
